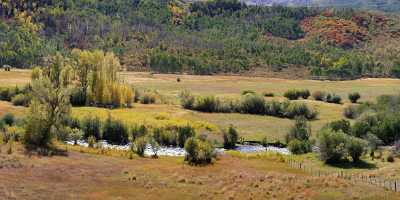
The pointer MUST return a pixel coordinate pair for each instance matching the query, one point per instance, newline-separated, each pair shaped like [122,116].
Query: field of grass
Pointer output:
[251,127]
[88,176]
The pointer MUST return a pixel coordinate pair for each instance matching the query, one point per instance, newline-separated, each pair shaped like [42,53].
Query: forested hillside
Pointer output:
[203,37]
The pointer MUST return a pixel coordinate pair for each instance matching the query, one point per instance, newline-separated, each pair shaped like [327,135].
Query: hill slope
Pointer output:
[205,37]
[384,5]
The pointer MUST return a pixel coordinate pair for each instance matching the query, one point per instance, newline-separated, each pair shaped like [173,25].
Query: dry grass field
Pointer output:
[90,176]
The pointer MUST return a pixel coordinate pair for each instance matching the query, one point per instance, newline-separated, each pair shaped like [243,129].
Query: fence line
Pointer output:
[393,185]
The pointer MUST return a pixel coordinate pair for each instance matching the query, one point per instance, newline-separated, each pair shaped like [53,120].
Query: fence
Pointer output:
[393,185]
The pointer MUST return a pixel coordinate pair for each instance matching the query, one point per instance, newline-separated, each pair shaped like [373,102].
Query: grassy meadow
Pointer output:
[251,127]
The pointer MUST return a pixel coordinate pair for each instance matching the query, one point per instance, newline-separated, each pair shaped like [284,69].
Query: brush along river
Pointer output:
[177,151]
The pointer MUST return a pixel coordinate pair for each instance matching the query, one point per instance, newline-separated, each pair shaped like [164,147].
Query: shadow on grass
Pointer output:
[345,164]
[51,151]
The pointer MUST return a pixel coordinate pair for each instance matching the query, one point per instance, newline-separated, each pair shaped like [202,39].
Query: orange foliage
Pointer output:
[335,31]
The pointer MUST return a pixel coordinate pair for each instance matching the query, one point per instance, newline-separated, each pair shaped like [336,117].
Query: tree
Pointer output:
[49,107]
[231,137]
[354,97]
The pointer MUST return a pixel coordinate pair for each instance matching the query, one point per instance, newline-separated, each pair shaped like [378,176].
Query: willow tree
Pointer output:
[50,104]
[98,78]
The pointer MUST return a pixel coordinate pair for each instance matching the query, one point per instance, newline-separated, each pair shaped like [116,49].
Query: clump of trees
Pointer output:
[336,146]
[248,104]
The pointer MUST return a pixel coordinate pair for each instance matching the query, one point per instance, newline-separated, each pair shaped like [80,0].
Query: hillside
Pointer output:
[383,5]
[205,37]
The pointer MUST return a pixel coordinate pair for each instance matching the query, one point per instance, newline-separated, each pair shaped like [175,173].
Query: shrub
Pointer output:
[154,146]
[292,94]
[91,126]
[137,96]
[333,98]
[5,94]
[319,95]
[340,125]
[253,104]
[138,131]
[273,108]
[199,152]
[304,93]
[299,147]
[332,145]
[21,100]
[364,125]
[75,135]
[184,133]
[355,147]
[148,98]
[390,158]
[91,140]
[115,132]
[13,133]
[300,131]
[140,146]
[9,119]
[245,92]
[231,137]
[294,110]
[350,112]
[268,94]
[187,99]
[206,104]
[354,97]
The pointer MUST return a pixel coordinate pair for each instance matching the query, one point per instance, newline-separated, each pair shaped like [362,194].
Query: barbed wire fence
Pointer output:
[389,184]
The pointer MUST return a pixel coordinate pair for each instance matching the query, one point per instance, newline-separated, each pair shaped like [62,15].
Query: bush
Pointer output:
[354,97]
[115,132]
[91,126]
[304,93]
[292,94]
[332,145]
[300,131]
[350,112]
[5,94]
[253,104]
[355,147]
[390,158]
[75,135]
[184,133]
[340,125]
[187,99]
[91,140]
[294,110]
[21,100]
[274,108]
[245,92]
[148,97]
[140,146]
[299,147]
[13,133]
[333,98]
[9,119]
[206,104]
[138,131]
[231,137]
[268,94]
[199,152]
[319,95]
